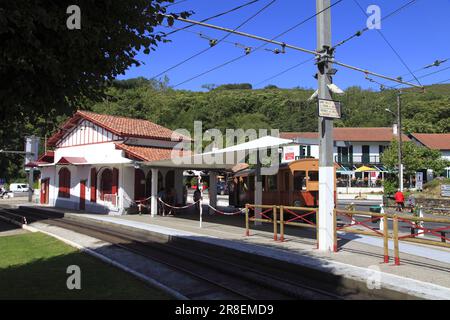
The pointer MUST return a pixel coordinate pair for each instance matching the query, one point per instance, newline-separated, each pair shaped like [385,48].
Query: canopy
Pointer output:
[365,169]
[72,160]
[205,161]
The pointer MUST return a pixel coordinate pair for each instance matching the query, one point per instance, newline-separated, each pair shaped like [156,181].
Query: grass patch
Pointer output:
[33,266]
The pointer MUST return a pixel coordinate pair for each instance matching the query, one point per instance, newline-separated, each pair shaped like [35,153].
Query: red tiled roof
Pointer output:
[71,160]
[45,158]
[121,126]
[370,134]
[435,141]
[146,153]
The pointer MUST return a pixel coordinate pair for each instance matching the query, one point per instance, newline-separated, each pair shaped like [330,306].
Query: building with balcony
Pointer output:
[354,148]
[435,141]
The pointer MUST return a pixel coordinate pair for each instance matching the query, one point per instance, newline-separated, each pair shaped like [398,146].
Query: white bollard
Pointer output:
[353,222]
[201,211]
[421,233]
[381,219]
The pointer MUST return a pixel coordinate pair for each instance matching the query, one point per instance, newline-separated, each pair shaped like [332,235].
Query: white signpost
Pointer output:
[445,190]
[419,181]
[329,109]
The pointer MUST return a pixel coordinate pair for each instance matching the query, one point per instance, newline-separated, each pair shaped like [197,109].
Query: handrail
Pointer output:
[416,223]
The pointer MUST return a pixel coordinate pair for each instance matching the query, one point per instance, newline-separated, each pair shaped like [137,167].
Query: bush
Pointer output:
[390,186]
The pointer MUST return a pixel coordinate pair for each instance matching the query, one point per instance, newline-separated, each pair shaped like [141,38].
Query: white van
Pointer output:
[19,187]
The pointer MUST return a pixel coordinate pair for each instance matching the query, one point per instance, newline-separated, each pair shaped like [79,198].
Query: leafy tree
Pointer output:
[414,158]
[49,66]
[48,71]
[235,86]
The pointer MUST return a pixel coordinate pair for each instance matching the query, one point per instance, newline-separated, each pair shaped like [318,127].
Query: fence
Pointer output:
[301,217]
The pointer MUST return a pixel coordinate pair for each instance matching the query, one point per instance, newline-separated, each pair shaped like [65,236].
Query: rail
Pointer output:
[261,214]
[17,218]
[299,216]
[424,230]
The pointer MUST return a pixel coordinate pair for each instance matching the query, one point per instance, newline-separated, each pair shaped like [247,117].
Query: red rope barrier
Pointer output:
[362,223]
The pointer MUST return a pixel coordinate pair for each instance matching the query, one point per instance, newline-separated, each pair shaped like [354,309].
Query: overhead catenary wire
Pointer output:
[174,3]
[360,32]
[216,15]
[428,74]
[390,45]
[286,70]
[209,38]
[284,45]
[436,63]
[281,44]
[218,41]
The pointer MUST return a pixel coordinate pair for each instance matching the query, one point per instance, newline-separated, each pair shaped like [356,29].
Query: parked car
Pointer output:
[222,187]
[19,187]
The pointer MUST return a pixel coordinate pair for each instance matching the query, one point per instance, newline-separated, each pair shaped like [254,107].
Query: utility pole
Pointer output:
[326,165]
[399,131]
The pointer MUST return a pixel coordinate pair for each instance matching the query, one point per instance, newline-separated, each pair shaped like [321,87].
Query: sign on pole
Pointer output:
[329,109]
[445,190]
[31,149]
[419,181]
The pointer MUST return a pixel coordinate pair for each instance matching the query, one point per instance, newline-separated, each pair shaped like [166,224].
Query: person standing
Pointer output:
[399,200]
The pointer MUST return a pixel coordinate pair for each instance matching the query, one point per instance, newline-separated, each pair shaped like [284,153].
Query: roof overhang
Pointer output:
[221,159]
[72,161]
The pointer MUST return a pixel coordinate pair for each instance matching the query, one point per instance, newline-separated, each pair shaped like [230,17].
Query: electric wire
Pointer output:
[390,45]
[285,71]
[360,32]
[216,15]
[218,41]
[259,47]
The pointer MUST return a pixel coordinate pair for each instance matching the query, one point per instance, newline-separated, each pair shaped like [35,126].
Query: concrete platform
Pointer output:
[424,272]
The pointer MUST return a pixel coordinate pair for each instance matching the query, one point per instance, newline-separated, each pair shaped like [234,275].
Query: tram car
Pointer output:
[295,184]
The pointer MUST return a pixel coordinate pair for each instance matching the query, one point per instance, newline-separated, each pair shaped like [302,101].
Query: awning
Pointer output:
[45,159]
[344,170]
[71,161]
[205,161]
[365,169]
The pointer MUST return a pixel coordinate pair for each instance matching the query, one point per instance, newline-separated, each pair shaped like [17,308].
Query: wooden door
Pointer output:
[44,191]
[82,194]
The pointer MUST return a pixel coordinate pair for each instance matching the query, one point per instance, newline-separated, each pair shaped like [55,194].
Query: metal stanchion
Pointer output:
[421,215]
[381,228]
[281,223]
[247,230]
[201,211]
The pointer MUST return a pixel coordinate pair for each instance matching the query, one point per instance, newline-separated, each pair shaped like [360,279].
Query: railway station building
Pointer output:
[96,164]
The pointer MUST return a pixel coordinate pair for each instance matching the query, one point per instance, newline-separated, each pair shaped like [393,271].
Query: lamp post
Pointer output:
[399,134]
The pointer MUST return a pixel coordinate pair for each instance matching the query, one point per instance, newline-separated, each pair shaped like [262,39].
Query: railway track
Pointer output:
[215,276]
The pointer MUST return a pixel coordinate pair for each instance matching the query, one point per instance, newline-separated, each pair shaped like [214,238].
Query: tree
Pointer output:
[48,66]
[414,158]
[48,70]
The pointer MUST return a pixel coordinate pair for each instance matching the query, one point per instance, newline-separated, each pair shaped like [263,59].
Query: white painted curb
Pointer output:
[139,275]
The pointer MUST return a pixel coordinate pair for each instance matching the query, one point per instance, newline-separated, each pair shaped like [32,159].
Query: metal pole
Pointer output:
[30,183]
[399,131]
[289,46]
[326,167]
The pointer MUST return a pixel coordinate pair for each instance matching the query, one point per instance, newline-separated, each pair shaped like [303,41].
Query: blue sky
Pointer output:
[420,33]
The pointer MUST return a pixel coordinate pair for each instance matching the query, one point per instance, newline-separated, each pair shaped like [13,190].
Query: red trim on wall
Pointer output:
[87,144]
[93,185]
[115,184]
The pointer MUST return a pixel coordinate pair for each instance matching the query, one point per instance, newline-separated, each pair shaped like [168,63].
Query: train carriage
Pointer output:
[295,184]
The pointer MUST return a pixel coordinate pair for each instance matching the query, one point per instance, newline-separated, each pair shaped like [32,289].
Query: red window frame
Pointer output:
[64,183]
